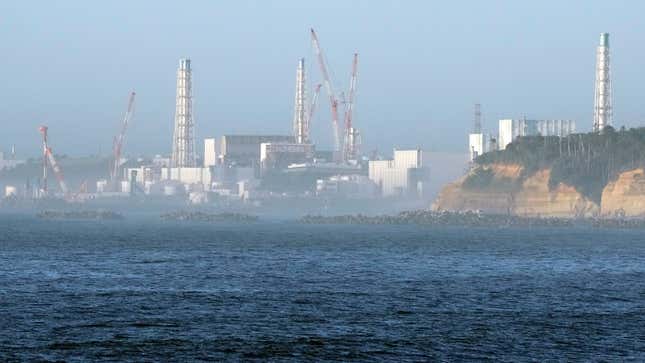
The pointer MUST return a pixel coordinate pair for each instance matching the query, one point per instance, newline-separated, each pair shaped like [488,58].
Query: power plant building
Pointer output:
[510,129]
[404,176]
[210,152]
[239,150]
[281,155]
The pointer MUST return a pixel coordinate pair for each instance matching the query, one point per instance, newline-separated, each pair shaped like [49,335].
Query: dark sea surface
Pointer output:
[143,290]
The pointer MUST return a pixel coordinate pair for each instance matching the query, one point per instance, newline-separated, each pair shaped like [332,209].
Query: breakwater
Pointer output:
[87,214]
[472,219]
[208,217]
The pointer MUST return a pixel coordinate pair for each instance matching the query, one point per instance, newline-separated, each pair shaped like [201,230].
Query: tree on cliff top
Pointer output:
[585,161]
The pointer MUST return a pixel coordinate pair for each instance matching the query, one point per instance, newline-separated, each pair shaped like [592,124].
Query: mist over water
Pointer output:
[140,289]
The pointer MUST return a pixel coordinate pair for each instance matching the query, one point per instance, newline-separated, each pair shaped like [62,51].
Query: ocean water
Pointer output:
[143,290]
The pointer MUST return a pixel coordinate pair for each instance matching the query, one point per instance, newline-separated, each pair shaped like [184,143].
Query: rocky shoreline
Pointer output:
[87,214]
[209,217]
[472,219]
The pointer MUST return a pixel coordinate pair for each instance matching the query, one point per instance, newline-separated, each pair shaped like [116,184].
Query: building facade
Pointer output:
[244,150]
[510,129]
[404,176]
[281,155]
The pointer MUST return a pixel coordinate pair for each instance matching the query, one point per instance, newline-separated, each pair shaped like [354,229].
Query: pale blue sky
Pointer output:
[71,64]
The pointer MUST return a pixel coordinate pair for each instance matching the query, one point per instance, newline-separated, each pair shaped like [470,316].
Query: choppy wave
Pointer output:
[324,293]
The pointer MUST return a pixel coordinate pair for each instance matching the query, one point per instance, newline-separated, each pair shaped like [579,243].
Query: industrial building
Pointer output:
[478,141]
[281,155]
[404,176]
[476,145]
[347,186]
[509,129]
[11,162]
[239,150]
[211,152]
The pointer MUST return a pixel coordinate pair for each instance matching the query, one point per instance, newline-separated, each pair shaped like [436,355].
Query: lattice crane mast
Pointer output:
[350,134]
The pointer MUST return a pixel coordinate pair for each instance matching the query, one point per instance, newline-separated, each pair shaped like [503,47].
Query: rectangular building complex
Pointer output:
[404,176]
[510,129]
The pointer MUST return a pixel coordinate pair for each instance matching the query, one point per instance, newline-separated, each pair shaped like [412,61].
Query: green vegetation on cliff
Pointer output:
[585,161]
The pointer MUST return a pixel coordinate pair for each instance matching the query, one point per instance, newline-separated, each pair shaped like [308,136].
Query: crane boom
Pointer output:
[328,86]
[43,190]
[118,141]
[48,156]
[57,172]
[312,108]
[349,143]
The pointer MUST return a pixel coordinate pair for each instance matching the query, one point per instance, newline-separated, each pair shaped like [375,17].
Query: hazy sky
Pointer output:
[71,65]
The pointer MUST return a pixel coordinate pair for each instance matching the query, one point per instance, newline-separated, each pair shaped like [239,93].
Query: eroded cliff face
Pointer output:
[454,197]
[536,199]
[508,192]
[626,195]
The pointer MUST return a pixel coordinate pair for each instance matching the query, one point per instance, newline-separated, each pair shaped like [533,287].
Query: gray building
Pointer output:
[239,150]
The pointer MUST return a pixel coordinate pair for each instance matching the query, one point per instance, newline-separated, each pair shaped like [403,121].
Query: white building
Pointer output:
[510,129]
[404,176]
[210,152]
[476,145]
[148,175]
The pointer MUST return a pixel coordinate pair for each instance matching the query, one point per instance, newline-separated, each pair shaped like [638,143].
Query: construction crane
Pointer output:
[43,187]
[330,91]
[312,108]
[48,156]
[118,142]
[350,134]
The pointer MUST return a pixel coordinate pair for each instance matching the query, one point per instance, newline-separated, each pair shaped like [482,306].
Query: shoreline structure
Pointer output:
[473,219]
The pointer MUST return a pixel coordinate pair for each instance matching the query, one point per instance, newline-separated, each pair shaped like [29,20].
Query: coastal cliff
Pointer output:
[625,196]
[533,196]
[580,175]
[508,191]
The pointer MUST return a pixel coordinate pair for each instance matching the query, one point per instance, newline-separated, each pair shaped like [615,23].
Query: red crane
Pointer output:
[328,86]
[48,156]
[118,141]
[312,108]
[350,142]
